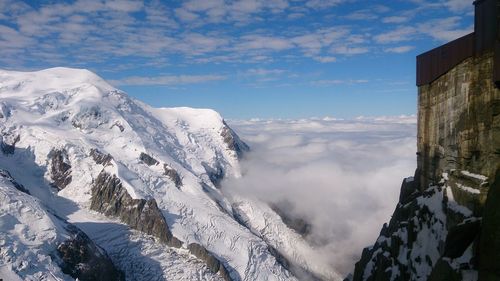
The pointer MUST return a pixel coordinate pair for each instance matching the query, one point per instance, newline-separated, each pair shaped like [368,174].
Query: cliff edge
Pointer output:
[446,225]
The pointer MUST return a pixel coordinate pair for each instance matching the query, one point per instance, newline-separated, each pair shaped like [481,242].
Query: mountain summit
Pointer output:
[92,176]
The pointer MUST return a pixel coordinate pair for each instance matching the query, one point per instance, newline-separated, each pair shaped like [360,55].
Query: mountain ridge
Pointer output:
[61,129]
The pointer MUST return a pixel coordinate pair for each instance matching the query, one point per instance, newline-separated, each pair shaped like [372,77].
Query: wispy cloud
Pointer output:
[362,15]
[167,80]
[399,49]
[112,34]
[395,19]
[459,5]
[338,82]
[322,4]
[444,29]
[346,50]
[264,72]
[403,33]
[327,59]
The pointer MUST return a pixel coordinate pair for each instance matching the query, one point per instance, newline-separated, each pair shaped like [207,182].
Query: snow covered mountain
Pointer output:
[135,186]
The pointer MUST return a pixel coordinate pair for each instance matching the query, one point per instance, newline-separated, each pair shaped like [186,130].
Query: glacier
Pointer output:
[142,183]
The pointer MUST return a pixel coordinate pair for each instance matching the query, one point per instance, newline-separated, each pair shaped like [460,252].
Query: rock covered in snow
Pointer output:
[155,170]
[429,237]
[38,245]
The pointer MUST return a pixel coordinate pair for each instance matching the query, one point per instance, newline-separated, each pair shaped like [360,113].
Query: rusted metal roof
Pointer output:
[436,62]
[486,37]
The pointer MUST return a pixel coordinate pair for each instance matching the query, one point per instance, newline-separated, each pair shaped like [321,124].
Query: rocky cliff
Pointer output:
[446,225]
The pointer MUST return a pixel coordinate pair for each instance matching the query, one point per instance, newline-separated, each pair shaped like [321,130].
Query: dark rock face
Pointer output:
[60,168]
[401,233]
[100,158]
[148,160]
[444,272]
[489,245]
[200,252]
[398,253]
[119,125]
[212,262]
[89,118]
[295,270]
[285,210]
[84,260]
[233,141]
[4,111]
[216,174]
[173,175]
[460,237]
[8,143]
[5,174]
[111,198]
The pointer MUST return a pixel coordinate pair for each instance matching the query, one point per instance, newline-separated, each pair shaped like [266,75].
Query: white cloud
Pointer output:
[168,80]
[404,33]
[395,19]
[322,4]
[325,59]
[343,177]
[347,50]
[326,82]
[294,16]
[255,41]
[445,29]
[362,15]
[185,15]
[203,31]
[125,5]
[459,5]
[264,72]
[400,49]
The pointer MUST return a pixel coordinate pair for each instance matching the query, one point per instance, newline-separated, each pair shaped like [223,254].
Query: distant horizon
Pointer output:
[246,58]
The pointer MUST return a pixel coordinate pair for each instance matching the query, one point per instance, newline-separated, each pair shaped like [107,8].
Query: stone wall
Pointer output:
[459,126]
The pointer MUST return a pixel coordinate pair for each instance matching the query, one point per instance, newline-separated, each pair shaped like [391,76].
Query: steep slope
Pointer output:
[445,226]
[102,160]
[38,245]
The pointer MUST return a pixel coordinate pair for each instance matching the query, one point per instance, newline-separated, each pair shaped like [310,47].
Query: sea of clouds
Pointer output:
[342,176]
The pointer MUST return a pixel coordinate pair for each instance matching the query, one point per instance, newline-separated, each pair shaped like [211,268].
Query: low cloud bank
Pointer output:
[342,176]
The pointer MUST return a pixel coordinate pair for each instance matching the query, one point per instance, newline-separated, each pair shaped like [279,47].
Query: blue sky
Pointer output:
[244,58]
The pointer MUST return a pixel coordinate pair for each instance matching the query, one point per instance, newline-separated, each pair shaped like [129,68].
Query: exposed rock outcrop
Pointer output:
[101,158]
[5,174]
[82,259]
[111,198]
[215,174]
[428,234]
[285,211]
[489,245]
[148,160]
[233,141]
[173,175]
[8,143]
[89,118]
[212,262]
[59,168]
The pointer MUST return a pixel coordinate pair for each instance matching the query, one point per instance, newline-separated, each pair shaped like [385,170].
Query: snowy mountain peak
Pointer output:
[124,172]
[37,83]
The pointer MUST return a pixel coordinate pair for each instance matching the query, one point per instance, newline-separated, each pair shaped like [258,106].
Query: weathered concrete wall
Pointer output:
[459,126]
